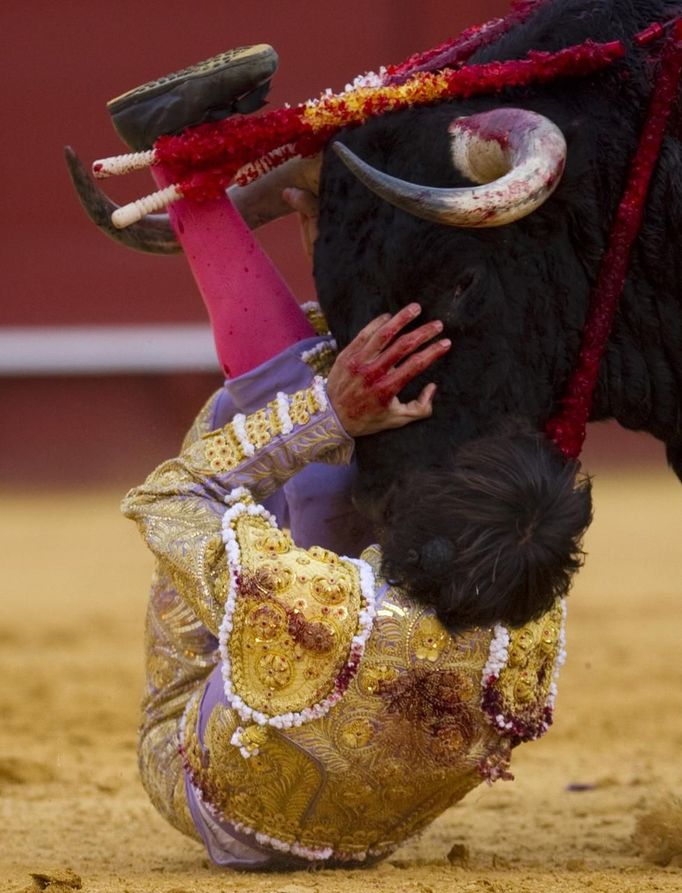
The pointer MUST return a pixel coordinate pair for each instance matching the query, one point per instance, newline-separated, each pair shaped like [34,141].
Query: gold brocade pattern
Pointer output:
[521,691]
[293,622]
[179,512]
[180,653]
[226,449]
[407,740]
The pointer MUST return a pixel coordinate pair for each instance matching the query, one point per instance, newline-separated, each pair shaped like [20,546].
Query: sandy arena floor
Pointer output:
[73,592]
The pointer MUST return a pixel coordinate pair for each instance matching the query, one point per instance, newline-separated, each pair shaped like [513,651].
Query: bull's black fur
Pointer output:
[514,299]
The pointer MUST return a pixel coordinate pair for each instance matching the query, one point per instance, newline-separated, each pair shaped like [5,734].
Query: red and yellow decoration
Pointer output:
[206,159]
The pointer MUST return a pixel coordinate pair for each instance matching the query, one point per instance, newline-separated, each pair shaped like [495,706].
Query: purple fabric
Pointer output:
[224,845]
[315,505]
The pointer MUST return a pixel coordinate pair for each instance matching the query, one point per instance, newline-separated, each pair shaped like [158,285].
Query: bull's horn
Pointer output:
[518,154]
[154,234]
[258,203]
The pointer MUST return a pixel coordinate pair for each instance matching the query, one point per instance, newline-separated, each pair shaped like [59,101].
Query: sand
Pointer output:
[74,577]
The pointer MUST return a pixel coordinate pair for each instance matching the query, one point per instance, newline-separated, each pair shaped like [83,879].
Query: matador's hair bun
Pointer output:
[495,537]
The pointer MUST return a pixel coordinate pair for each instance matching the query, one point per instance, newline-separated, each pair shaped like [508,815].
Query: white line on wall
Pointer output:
[106,350]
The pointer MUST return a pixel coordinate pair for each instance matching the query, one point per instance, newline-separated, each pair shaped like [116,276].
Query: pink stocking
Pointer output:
[253,314]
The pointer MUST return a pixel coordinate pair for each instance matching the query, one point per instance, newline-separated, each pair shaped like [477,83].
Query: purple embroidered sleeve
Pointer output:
[179,507]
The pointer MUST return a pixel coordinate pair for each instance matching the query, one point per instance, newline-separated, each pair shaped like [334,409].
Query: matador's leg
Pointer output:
[253,314]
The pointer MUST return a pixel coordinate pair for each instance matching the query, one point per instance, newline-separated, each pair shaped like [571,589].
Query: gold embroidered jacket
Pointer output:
[348,718]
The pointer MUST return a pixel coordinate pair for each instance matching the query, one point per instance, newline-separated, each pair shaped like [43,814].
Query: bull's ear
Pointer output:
[515,513]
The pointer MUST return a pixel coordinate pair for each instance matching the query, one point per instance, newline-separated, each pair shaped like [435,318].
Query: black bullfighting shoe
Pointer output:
[235,81]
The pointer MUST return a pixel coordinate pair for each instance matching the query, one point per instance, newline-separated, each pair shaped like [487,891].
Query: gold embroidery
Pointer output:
[321,360]
[386,774]
[382,763]
[355,733]
[275,541]
[287,645]
[253,738]
[521,691]
[301,406]
[373,677]
[258,429]
[316,317]
[430,639]
[268,621]
[225,449]
[224,452]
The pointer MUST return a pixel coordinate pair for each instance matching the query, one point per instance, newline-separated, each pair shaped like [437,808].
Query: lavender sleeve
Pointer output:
[179,507]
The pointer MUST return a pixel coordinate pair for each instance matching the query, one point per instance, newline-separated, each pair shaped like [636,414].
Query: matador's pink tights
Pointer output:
[253,314]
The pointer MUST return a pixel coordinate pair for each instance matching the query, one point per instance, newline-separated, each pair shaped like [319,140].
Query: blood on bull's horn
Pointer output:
[519,156]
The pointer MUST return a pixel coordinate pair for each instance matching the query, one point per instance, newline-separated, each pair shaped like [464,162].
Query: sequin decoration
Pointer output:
[316,317]
[244,435]
[293,632]
[408,739]
[519,678]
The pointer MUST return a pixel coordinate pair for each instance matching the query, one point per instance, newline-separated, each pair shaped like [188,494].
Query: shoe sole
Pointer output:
[259,56]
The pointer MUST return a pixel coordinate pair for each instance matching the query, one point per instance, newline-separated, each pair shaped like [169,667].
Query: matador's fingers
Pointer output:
[421,408]
[302,201]
[396,380]
[401,348]
[384,334]
[365,334]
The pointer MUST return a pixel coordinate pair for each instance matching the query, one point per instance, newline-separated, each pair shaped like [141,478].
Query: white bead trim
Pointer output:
[310,307]
[237,741]
[320,348]
[237,495]
[239,427]
[319,387]
[498,657]
[357,646]
[285,422]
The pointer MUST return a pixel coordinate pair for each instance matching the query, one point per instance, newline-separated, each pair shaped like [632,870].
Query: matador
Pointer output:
[301,706]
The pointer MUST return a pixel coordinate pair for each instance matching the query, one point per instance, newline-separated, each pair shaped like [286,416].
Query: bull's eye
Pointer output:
[465,281]
[468,301]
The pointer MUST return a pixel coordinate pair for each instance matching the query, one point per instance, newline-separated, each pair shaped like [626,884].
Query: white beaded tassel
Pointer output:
[117,165]
[150,204]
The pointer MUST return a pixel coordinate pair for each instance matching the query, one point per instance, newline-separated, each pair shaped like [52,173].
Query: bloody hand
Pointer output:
[368,375]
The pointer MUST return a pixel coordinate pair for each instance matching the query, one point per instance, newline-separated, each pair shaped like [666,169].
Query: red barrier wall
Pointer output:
[60,63]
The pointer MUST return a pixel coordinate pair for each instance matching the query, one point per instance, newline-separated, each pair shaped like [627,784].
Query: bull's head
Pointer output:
[476,497]
[451,206]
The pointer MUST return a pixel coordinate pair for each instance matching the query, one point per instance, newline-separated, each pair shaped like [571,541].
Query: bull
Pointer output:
[475,508]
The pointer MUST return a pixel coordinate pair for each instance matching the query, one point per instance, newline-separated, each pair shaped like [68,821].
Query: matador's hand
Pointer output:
[308,208]
[368,375]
